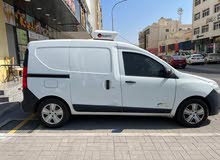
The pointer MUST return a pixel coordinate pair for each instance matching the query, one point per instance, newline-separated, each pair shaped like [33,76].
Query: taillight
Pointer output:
[25,69]
[24,78]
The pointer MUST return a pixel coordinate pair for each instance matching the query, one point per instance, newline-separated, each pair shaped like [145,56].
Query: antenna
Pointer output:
[180,13]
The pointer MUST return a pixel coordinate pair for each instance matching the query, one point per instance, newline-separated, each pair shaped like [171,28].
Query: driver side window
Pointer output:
[141,66]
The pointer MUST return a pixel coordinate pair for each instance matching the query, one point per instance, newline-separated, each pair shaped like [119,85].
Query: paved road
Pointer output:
[112,137]
[206,68]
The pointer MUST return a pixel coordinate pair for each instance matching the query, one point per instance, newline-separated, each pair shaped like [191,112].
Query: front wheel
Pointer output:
[192,113]
[53,113]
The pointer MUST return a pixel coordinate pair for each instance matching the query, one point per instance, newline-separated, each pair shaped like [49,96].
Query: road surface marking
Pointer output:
[25,121]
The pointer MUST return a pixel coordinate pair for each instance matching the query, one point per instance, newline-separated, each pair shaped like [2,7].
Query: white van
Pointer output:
[105,77]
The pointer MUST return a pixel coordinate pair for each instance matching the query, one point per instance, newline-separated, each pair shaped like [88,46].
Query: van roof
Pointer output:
[66,42]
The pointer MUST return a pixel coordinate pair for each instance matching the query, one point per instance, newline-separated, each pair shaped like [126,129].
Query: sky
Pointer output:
[132,16]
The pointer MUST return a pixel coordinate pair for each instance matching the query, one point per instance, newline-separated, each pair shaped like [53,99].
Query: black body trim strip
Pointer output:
[102,108]
[145,110]
[49,75]
[96,108]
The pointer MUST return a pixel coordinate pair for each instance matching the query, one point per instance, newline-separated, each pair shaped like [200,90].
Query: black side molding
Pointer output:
[49,75]
[145,110]
[102,108]
[96,108]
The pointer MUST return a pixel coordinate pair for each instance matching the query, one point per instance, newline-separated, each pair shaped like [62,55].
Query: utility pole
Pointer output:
[113,12]
[180,13]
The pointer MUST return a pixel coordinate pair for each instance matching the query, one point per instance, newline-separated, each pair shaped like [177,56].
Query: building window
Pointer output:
[205,28]
[217,25]
[196,31]
[205,12]
[197,2]
[217,8]
[197,16]
[167,30]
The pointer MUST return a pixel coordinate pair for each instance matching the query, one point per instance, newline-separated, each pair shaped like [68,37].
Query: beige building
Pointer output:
[151,37]
[206,26]
[180,40]
[95,14]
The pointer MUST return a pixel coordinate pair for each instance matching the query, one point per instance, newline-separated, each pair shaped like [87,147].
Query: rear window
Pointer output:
[90,60]
[54,58]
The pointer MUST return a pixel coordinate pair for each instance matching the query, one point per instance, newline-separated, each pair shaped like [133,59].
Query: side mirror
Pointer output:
[169,73]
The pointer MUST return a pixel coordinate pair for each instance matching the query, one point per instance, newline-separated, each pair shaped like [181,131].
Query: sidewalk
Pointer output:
[13,90]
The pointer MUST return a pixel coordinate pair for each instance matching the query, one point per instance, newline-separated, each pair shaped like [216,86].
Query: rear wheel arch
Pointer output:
[51,97]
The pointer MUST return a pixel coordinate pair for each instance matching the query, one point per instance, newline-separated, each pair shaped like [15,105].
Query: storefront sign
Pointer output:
[20,18]
[9,14]
[22,36]
[30,23]
[213,19]
[210,19]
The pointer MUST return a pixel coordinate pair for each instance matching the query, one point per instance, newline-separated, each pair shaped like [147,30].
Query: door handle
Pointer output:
[130,82]
[107,84]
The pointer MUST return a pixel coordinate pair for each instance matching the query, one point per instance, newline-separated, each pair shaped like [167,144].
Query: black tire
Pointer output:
[180,112]
[65,116]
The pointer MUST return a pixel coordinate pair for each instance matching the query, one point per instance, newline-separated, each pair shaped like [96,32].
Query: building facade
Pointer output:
[22,21]
[206,26]
[95,14]
[153,37]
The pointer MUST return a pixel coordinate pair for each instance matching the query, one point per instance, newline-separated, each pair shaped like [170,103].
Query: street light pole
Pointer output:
[113,12]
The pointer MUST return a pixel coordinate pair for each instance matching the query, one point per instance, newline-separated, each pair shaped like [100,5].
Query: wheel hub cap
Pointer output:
[194,113]
[52,113]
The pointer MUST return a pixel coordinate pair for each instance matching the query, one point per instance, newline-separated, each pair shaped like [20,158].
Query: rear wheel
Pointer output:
[53,113]
[192,113]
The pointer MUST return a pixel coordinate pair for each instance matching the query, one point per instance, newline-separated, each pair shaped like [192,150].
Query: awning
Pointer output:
[54,13]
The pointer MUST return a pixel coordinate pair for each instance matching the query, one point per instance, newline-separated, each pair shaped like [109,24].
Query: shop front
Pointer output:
[25,21]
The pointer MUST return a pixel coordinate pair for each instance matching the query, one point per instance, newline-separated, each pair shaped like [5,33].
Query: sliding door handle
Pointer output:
[130,82]
[107,84]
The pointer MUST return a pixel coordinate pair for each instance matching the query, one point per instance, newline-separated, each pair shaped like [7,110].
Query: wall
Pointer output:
[3,41]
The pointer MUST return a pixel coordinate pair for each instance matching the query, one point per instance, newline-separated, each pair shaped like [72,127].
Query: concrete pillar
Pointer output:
[214,47]
[3,41]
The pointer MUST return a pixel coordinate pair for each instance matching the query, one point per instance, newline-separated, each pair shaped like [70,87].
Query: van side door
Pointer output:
[144,88]
[94,85]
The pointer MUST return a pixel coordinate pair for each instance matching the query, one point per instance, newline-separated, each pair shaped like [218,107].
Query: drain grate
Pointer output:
[27,128]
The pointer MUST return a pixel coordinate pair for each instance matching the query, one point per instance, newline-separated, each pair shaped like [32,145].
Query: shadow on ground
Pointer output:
[119,123]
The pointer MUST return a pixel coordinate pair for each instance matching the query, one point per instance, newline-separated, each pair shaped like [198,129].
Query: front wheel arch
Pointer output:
[194,97]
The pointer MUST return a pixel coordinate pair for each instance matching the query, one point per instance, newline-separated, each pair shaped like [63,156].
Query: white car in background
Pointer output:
[196,59]
[212,58]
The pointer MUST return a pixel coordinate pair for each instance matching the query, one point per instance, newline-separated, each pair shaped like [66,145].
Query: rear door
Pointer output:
[94,86]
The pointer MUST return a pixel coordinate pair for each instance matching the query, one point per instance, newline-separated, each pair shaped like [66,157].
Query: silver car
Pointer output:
[212,58]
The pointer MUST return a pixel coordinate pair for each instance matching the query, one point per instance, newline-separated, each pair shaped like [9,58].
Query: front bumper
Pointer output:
[214,102]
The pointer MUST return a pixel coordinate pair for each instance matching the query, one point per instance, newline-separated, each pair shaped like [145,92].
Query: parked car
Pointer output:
[184,54]
[195,59]
[105,77]
[177,61]
[212,58]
